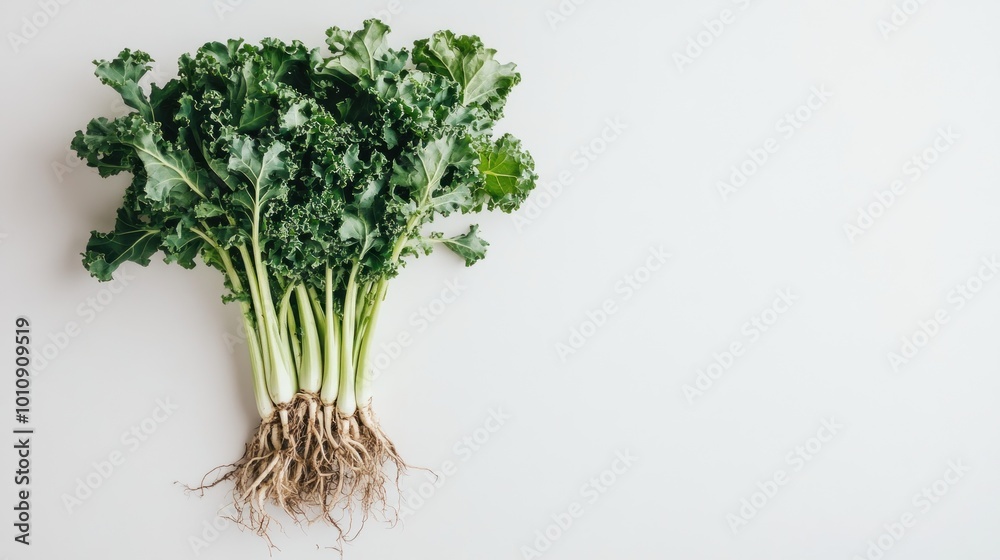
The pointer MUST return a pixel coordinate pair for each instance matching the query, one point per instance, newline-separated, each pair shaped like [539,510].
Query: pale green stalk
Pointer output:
[363,383]
[293,341]
[331,357]
[346,401]
[281,382]
[311,364]
[318,313]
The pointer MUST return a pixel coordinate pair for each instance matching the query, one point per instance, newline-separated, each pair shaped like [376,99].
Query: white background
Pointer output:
[167,336]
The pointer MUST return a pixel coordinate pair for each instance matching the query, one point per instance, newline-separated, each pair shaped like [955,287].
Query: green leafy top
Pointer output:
[309,160]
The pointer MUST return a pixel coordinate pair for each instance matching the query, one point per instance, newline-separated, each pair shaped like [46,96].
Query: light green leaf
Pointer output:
[171,176]
[363,55]
[263,172]
[294,117]
[464,59]
[469,246]
[456,199]
[423,170]
[508,173]
[206,209]
[256,115]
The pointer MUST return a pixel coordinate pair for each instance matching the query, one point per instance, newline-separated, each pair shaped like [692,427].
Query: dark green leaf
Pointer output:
[131,240]
[123,74]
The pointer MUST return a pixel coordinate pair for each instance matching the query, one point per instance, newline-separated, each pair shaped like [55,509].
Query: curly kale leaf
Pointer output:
[303,159]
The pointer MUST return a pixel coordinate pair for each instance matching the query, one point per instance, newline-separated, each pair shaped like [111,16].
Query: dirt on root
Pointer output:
[315,465]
